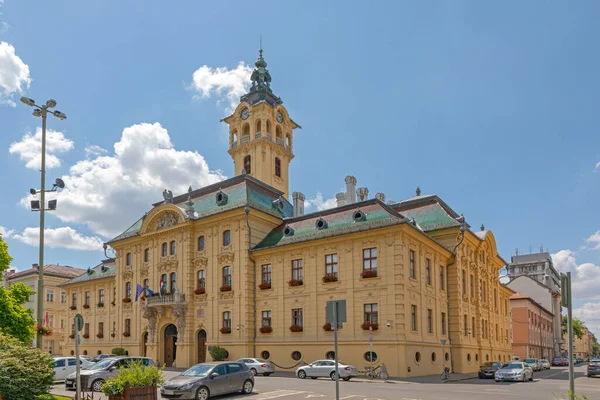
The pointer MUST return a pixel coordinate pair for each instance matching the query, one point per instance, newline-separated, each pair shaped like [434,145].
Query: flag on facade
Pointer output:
[47,319]
[138,291]
[150,292]
[163,286]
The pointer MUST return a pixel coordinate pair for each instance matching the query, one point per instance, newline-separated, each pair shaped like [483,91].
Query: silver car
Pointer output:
[534,363]
[205,380]
[326,368]
[258,366]
[94,377]
[514,371]
[545,364]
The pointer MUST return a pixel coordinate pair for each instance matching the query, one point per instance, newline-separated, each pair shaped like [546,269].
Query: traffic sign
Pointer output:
[78,322]
[341,311]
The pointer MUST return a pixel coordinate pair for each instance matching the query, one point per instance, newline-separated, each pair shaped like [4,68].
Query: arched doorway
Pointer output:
[170,345]
[145,344]
[202,346]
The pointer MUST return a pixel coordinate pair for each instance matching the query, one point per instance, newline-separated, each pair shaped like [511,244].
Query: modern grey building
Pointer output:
[536,266]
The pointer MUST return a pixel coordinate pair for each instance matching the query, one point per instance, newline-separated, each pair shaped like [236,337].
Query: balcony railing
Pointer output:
[165,300]
[234,145]
[279,141]
[245,139]
[258,135]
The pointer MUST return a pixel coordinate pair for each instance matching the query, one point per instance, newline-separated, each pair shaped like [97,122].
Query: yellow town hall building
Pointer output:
[239,266]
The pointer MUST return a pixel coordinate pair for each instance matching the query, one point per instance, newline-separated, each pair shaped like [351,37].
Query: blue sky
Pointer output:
[491,106]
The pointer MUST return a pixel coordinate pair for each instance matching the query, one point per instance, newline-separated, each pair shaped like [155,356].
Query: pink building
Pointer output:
[532,328]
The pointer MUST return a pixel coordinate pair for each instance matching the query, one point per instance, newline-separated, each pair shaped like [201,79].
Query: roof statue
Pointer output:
[261,79]
[418,191]
[168,196]
[189,205]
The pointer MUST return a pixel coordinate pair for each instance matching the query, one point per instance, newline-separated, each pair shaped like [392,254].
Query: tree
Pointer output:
[577,327]
[16,320]
[5,258]
[595,349]
[218,353]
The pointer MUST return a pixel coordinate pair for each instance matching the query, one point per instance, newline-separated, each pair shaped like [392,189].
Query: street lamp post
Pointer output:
[42,111]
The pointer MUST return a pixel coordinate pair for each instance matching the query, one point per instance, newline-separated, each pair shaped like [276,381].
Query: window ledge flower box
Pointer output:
[225,330]
[99,336]
[73,308]
[86,306]
[226,288]
[127,300]
[296,328]
[265,286]
[100,305]
[327,327]
[266,329]
[44,330]
[86,336]
[200,291]
[366,325]
[126,334]
[369,273]
[330,278]
[72,336]
[295,282]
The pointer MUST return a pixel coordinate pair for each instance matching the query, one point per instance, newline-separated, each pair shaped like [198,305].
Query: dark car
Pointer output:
[488,369]
[593,367]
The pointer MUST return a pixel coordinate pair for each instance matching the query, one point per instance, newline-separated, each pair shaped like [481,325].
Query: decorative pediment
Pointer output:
[199,262]
[226,258]
[166,220]
[167,265]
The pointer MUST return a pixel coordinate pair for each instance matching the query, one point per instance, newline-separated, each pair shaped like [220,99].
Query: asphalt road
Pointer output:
[547,385]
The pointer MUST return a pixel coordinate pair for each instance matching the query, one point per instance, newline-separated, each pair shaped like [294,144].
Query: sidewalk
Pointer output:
[414,379]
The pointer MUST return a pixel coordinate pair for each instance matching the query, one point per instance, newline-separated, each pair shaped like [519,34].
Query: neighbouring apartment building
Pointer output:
[55,300]
[235,264]
[532,328]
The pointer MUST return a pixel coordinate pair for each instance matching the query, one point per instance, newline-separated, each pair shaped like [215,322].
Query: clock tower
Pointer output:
[261,132]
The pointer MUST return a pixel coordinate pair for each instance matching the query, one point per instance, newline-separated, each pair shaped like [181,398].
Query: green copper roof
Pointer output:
[100,271]
[430,217]
[131,231]
[339,221]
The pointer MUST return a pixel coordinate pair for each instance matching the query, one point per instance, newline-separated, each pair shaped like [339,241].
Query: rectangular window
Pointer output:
[297,317]
[506,336]
[101,296]
[370,260]
[227,276]
[331,265]
[128,326]
[266,318]
[88,297]
[443,323]
[201,284]
[165,248]
[51,320]
[464,282]
[74,300]
[63,297]
[465,325]
[62,324]
[201,243]
[472,287]
[371,314]
[146,255]
[297,270]
[413,273]
[497,334]
[442,278]
[278,167]
[86,329]
[428,271]
[50,295]
[429,320]
[100,328]
[413,317]
[495,299]
[128,290]
[473,326]
[227,319]
[266,273]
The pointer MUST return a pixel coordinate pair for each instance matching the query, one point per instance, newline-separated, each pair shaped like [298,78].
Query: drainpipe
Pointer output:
[247,210]
[462,231]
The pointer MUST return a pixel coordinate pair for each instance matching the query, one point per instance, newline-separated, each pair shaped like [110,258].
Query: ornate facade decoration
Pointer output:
[167,265]
[226,258]
[167,220]
[200,262]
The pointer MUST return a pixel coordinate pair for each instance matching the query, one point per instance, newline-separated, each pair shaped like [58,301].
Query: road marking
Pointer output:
[310,396]
[277,394]
[503,394]
[349,397]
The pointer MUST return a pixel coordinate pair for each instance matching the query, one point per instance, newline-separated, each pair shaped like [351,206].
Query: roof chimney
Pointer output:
[36,265]
[350,189]
[298,204]
[380,197]
[363,194]
[341,199]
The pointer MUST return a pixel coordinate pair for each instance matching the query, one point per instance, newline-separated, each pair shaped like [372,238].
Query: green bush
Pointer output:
[136,375]
[575,397]
[218,353]
[118,351]
[24,372]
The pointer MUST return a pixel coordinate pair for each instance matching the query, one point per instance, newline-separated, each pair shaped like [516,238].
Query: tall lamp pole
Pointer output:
[42,111]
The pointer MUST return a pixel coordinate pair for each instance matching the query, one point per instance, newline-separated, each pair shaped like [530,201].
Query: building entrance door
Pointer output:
[145,343]
[170,345]
[202,346]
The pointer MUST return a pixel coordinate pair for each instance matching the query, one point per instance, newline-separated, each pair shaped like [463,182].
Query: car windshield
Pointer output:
[514,366]
[595,361]
[198,370]
[487,365]
[104,364]
[530,360]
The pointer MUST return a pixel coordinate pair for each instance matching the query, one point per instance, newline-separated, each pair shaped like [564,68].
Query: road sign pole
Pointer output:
[335,350]
[78,324]
[371,346]
[570,323]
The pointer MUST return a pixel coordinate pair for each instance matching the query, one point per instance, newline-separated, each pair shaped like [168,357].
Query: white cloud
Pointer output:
[94,151]
[224,82]
[14,74]
[589,313]
[585,277]
[65,237]
[319,204]
[4,26]
[5,232]
[29,148]
[110,192]
[594,240]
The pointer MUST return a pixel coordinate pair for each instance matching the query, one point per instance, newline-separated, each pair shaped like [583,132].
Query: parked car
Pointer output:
[258,366]
[94,377]
[102,357]
[514,371]
[557,362]
[534,363]
[545,364]
[488,369]
[593,367]
[205,380]
[326,368]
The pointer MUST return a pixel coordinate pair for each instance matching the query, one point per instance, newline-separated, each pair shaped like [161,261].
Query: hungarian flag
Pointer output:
[163,286]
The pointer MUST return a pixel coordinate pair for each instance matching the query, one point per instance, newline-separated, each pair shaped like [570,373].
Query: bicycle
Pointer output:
[378,372]
[446,374]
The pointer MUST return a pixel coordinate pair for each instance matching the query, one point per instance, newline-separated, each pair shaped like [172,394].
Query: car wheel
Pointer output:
[497,380]
[346,379]
[202,393]
[301,374]
[313,377]
[253,370]
[589,376]
[97,385]
[531,378]
[248,386]
[332,375]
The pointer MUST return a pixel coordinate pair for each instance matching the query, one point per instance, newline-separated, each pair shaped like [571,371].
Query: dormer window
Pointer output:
[221,198]
[358,216]
[321,224]
[288,231]
[279,204]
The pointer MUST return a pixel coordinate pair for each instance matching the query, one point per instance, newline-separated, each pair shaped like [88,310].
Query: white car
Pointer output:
[326,368]
[514,371]
[258,366]
[545,364]
[64,366]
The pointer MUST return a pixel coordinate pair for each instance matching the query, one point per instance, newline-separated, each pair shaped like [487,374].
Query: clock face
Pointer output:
[279,117]
[245,113]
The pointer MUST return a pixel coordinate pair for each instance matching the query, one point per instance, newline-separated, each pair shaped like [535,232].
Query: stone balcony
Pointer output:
[165,300]
[259,135]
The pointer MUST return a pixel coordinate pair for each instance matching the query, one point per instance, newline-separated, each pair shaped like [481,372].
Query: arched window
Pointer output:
[277,167]
[246,130]
[173,282]
[201,243]
[288,140]
[258,126]
[128,259]
[163,283]
[127,290]
[268,126]
[248,164]
[146,255]
[473,326]
[227,238]
[465,325]
[173,248]
[201,284]
[234,136]
[164,249]
[278,134]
